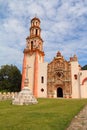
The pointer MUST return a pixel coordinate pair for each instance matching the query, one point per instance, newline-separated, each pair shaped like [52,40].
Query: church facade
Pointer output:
[59,78]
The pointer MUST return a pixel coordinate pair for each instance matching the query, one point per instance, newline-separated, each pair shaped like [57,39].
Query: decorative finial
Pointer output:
[58,54]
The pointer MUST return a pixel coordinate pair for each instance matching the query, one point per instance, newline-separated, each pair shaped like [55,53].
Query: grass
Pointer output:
[48,114]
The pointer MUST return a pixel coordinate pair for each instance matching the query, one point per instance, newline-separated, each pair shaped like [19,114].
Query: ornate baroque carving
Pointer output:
[59,75]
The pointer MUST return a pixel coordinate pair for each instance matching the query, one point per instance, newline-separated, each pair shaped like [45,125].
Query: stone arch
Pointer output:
[85,79]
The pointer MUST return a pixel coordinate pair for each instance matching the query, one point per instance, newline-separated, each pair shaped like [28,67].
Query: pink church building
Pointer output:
[59,78]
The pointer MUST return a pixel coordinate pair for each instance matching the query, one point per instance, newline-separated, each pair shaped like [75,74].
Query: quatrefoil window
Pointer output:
[60,74]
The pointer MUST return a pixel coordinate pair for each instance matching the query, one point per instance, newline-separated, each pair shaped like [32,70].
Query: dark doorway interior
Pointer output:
[59,92]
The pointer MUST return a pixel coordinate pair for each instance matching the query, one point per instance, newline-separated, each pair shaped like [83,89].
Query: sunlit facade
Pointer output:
[59,78]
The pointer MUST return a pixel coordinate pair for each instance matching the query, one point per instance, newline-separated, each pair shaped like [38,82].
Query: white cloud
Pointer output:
[10,56]
[13,25]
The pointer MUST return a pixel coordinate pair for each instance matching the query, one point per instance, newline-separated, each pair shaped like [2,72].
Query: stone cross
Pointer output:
[27,71]
[26,78]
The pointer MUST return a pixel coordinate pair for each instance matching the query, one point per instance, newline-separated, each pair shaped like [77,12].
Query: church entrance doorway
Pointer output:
[59,92]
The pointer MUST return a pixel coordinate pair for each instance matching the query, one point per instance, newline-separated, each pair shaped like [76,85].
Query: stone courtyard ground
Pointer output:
[80,121]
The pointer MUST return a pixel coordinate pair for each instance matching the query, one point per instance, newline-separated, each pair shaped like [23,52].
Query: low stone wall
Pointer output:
[7,95]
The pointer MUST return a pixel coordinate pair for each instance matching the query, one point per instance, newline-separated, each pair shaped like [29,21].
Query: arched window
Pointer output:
[31,45]
[42,79]
[36,31]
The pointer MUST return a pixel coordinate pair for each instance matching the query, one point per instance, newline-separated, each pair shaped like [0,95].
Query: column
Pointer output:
[35,88]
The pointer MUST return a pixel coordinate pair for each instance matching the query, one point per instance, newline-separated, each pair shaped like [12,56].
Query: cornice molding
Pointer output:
[33,51]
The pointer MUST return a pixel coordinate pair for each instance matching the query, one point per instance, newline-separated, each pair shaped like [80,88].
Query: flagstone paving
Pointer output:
[80,121]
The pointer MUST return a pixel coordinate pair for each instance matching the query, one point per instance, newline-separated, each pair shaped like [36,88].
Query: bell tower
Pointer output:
[33,56]
[34,41]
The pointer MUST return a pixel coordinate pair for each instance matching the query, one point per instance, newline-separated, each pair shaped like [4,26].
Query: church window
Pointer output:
[42,90]
[42,79]
[59,74]
[36,31]
[31,45]
[75,76]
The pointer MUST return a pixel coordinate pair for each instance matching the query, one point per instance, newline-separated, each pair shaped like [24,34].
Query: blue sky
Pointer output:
[63,24]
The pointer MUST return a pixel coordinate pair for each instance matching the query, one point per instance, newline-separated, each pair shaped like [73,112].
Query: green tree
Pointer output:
[10,78]
[84,67]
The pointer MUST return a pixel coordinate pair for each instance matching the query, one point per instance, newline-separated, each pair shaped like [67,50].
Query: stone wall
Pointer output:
[7,95]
